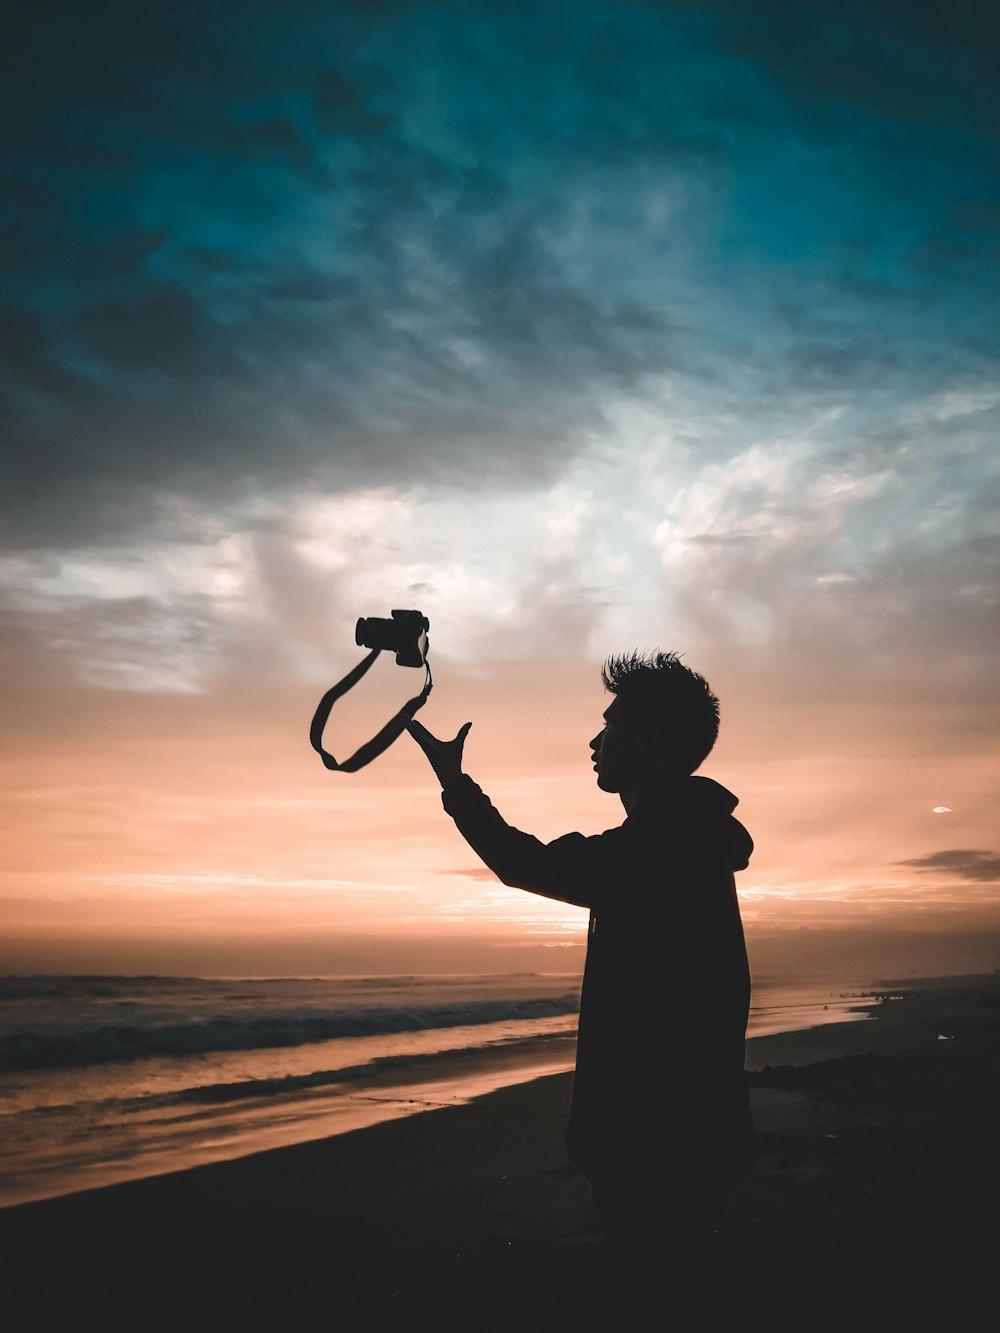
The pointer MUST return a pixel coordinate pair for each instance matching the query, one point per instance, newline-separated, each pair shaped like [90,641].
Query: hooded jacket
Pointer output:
[666,990]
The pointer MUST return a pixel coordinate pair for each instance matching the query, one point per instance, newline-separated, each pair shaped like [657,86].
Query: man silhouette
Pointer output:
[660,1119]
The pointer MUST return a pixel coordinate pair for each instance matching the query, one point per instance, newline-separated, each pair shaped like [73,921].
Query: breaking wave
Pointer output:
[45,1048]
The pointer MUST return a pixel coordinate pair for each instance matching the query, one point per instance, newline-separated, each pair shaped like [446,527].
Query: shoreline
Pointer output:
[412,1086]
[877,1165]
[384,1096]
[216,1128]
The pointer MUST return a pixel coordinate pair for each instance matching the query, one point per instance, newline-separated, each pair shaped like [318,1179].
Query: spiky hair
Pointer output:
[666,702]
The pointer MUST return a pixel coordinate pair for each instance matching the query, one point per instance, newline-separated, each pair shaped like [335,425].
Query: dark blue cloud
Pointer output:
[265,247]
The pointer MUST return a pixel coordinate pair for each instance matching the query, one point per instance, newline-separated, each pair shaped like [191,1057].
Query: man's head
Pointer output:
[661,724]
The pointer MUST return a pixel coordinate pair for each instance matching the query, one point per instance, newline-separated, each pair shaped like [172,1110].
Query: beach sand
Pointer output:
[874,1205]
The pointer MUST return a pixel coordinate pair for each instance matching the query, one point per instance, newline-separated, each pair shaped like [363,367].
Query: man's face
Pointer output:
[616,756]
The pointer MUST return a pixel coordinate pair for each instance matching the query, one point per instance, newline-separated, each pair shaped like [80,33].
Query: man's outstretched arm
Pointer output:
[571,869]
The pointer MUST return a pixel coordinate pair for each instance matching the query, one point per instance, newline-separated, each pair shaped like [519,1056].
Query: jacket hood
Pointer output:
[705,808]
[719,804]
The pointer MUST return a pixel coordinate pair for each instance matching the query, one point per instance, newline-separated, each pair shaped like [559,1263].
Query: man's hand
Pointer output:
[445,756]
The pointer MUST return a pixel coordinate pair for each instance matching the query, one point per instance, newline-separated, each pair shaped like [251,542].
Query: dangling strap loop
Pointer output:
[373,748]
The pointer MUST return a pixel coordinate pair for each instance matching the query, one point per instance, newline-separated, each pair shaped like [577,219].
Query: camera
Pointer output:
[405,635]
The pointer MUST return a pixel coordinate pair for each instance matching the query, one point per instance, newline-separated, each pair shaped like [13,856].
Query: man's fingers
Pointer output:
[427,739]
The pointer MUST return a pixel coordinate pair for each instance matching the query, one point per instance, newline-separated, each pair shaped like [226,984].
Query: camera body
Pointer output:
[405,635]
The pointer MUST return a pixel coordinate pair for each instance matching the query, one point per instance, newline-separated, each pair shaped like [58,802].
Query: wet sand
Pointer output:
[874,1204]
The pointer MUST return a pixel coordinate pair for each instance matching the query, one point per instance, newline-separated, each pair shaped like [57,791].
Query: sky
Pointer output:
[580,328]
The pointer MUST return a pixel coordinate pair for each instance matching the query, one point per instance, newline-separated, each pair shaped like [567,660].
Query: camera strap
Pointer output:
[379,742]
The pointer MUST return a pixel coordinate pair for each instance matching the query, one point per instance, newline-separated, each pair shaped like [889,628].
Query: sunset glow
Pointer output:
[573,357]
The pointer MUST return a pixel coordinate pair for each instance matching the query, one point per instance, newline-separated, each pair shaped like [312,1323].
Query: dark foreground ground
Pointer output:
[875,1205]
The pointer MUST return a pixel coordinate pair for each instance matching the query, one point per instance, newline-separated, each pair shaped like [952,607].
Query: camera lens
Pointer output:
[375,632]
[370,632]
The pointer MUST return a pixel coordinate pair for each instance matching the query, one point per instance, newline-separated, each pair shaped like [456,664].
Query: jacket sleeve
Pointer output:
[572,869]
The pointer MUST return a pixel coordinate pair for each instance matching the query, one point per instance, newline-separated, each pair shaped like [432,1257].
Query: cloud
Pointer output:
[917,63]
[259,301]
[572,350]
[965,864]
[386,245]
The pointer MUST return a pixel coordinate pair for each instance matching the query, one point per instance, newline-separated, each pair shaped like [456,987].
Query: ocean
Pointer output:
[104,1079]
